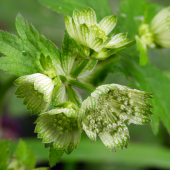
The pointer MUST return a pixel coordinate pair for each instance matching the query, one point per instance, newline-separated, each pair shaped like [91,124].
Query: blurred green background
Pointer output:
[145,150]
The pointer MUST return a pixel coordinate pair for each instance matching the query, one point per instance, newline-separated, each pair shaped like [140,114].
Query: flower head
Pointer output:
[106,110]
[37,89]
[60,126]
[157,33]
[85,30]
[160,27]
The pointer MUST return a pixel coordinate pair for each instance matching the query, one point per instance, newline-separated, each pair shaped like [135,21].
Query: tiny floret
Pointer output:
[104,113]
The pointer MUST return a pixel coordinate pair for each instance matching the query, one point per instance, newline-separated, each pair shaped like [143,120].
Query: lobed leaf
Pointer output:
[130,18]
[101,8]
[25,155]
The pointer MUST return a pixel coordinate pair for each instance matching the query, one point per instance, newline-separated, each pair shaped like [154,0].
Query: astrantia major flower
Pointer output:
[37,90]
[104,113]
[160,28]
[60,127]
[85,30]
[157,33]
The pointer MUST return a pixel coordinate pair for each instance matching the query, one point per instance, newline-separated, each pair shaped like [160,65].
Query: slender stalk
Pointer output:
[80,85]
[70,94]
[76,72]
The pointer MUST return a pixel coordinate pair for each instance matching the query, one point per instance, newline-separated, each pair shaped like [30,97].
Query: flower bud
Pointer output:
[37,90]
[60,126]
[160,28]
[157,33]
[110,106]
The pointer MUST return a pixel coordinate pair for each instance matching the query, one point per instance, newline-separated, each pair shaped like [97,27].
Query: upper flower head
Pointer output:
[60,126]
[37,89]
[106,110]
[84,29]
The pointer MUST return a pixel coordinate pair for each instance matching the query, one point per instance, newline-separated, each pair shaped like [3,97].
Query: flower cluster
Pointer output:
[48,88]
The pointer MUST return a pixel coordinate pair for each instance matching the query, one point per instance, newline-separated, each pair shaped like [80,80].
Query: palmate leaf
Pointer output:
[23,52]
[17,61]
[102,7]
[152,80]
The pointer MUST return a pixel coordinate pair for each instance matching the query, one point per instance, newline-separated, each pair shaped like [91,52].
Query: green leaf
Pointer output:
[30,161]
[17,61]
[17,68]
[4,154]
[55,156]
[138,154]
[23,52]
[130,17]
[152,10]
[21,150]
[152,80]
[141,46]
[25,155]
[101,8]
[37,43]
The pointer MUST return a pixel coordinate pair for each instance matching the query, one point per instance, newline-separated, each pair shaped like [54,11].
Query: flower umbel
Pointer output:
[60,126]
[106,110]
[85,30]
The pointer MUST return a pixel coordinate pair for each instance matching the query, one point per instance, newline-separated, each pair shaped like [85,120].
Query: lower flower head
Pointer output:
[106,110]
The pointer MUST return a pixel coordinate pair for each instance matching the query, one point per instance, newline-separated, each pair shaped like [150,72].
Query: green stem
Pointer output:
[70,94]
[81,85]
[77,71]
